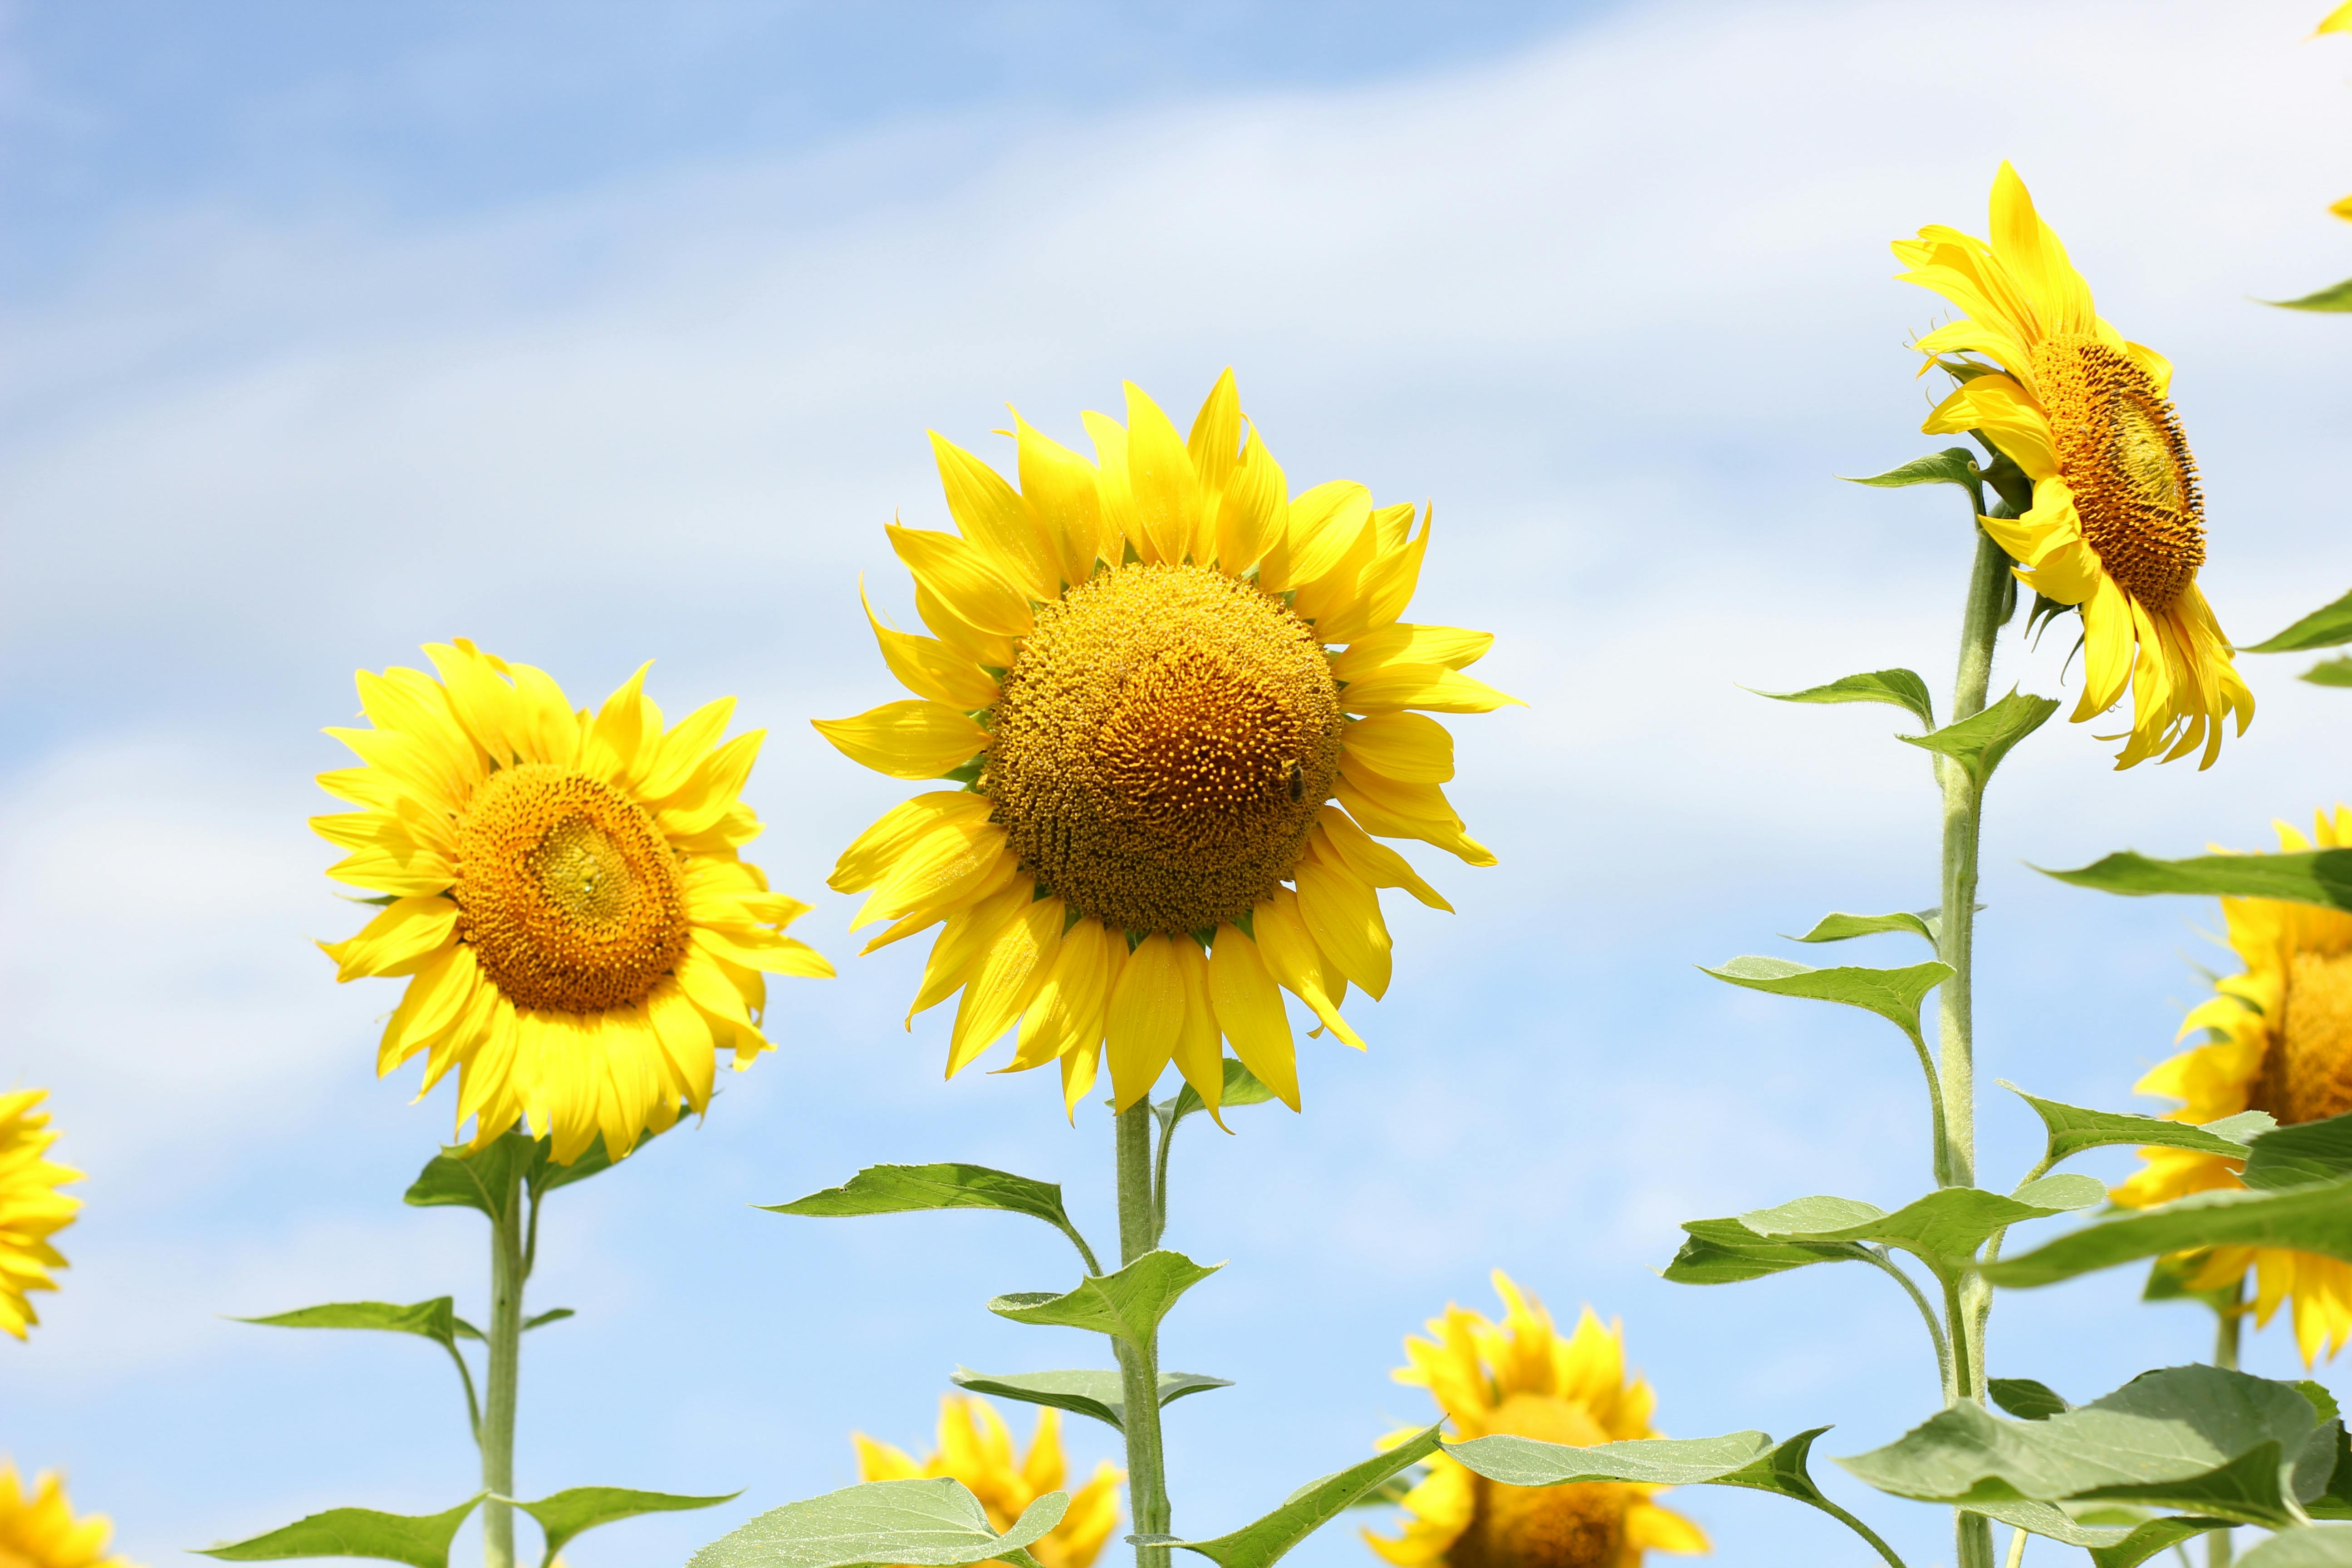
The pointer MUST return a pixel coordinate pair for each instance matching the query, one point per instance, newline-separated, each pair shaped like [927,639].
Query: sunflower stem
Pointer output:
[1138,1365]
[2219,1547]
[509,1269]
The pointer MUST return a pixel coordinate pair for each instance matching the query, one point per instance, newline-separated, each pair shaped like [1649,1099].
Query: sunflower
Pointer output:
[41,1531]
[976,1449]
[2117,524]
[1520,1377]
[564,889]
[1174,704]
[2280,1040]
[31,1208]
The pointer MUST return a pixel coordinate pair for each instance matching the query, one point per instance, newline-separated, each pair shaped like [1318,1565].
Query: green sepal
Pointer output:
[910,1189]
[1099,1394]
[564,1514]
[929,1523]
[421,1541]
[1241,1088]
[1979,741]
[1894,994]
[1952,465]
[1839,926]
[2025,1398]
[481,1180]
[1264,1541]
[1900,688]
[2321,877]
[2073,1127]
[2336,297]
[1126,1305]
[1944,1229]
[1726,1252]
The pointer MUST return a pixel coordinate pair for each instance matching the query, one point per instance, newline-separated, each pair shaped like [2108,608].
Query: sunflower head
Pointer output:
[2278,1038]
[1174,704]
[32,1210]
[1521,1378]
[564,892]
[976,1449]
[2117,521]
[39,1530]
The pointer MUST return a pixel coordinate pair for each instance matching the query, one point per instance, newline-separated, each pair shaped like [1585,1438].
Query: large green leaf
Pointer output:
[930,1523]
[564,1514]
[431,1319]
[909,1189]
[2025,1398]
[1898,686]
[1979,741]
[2219,1444]
[2111,1545]
[1264,1541]
[1101,1395]
[1952,465]
[2299,1155]
[1894,994]
[2302,877]
[1726,1252]
[2319,1546]
[421,1541]
[2307,1219]
[1944,1229]
[1838,927]
[2330,625]
[1126,1305]
[2073,1129]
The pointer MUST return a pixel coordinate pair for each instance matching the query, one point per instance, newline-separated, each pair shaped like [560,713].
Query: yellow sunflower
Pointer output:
[1173,704]
[566,891]
[2118,524]
[1520,1377]
[976,1449]
[2281,1041]
[32,1210]
[41,1531]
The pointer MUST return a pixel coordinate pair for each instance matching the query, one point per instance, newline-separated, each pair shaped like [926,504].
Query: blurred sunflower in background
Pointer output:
[1174,704]
[2117,524]
[39,1531]
[32,1210]
[1520,1377]
[976,1449]
[2280,1040]
[565,893]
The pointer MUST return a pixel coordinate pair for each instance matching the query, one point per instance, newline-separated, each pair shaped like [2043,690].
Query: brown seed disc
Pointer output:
[2307,1073]
[2121,452]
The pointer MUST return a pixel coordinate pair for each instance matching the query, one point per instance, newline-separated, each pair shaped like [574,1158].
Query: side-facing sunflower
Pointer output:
[32,1210]
[566,890]
[41,1531]
[976,1449]
[2280,1040]
[1520,1378]
[2118,524]
[1173,703]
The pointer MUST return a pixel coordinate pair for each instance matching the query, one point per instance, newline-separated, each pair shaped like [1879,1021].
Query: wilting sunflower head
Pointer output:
[2278,1037]
[976,1449]
[1174,703]
[32,1210]
[566,892]
[39,1530]
[2117,524]
[1520,1378]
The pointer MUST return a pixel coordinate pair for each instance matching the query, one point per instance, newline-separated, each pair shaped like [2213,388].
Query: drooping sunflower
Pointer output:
[32,1210]
[41,1531]
[566,891]
[2117,524]
[1520,1377]
[976,1449]
[2280,1040]
[1173,704]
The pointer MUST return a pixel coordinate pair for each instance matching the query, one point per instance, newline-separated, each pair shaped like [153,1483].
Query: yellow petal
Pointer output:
[911,739]
[1325,523]
[1430,687]
[683,748]
[1397,810]
[1008,976]
[1147,1013]
[1294,959]
[1404,643]
[400,940]
[1162,488]
[1252,509]
[929,667]
[970,932]
[1411,748]
[1065,497]
[1199,1054]
[1337,838]
[623,743]
[1066,1014]
[875,851]
[2030,251]
[1120,527]
[962,579]
[1249,1011]
[1344,917]
[993,517]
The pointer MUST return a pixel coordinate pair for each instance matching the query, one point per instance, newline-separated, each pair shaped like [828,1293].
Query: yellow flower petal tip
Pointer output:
[976,1449]
[2337,21]
[564,892]
[1177,707]
[39,1530]
[32,1210]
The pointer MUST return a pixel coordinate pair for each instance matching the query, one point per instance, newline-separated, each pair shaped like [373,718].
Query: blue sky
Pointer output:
[600,333]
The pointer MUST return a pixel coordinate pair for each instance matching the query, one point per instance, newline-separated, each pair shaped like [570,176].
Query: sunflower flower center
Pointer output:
[2310,1075]
[1164,740]
[2121,452]
[1580,1526]
[567,890]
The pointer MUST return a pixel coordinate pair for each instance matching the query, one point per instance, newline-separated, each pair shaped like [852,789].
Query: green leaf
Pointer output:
[2337,297]
[1979,741]
[1126,1305]
[2317,1547]
[552,1315]
[2026,1399]
[1944,1229]
[1391,1491]
[1898,686]
[930,1523]
[909,1189]
[1242,1087]
[2317,1219]
[2062,1193]
[1952,465]
[564,1514]
[481,1180]
[1842,927]
[1264,1541]
[2336,671]
[1101,1395]
[1726,1252]
[2195,1438]
[1894,994]
[2322,1402]
[428,1319]
[2302,877]
[2147,1540]
[2073,1129]
[2108,1542]
[421,1541]
[2299,1155]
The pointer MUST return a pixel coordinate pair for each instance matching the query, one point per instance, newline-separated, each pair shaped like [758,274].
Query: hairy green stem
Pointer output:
[1138,1365]
[507,1270]
[2219,1547]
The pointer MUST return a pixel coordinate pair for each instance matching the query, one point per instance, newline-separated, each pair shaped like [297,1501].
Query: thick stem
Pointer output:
[2226,1333]
[1138,1365]
[507,1270]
